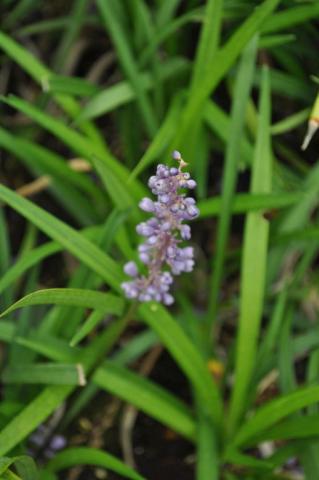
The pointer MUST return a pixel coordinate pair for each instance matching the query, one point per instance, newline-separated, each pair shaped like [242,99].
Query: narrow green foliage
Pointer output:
[106,302]
[240,98]
[147,396]
[274,411]
[224,59]
[91,456]
[47,373]
[69,238]
[186,355]
[128,63]
[254,262]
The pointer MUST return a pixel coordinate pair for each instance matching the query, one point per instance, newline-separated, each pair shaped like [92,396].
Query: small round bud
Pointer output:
[143,229]
[147,205]
[193,211]
[130,269]
[185,232]
[191,183]
[168,299]
[152,240]
[176,155]
[130,290]
[144,257]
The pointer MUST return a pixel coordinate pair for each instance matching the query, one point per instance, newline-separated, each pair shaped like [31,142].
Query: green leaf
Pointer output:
[5,252]
[273,411]
[32,415]
[293,428]
[127,60]
[40,73]
[186,356]
[241,94]
[91,322]
[25,466]
[66,236]
[246,202]
[46,373]
[51,397]
[146,396]
[254,263]
[207,465]
[208,42]
[70,85]
[224,59]
[80,144]
[161,140]
[91,456]
[46,162]
[122,93]
[26,261]
[105,302]
[120,194]
[290,17]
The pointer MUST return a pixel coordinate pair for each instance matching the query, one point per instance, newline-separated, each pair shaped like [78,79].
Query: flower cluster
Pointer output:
[163,233]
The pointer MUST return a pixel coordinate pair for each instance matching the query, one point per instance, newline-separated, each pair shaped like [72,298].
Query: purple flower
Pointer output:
[130,269]
[164,232]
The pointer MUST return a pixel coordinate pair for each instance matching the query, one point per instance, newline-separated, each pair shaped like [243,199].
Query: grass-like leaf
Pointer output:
[73,241]
[240,99]
[128,63]
[147,396]
[254,262]
[105,302]
[187,356]
[91,456]
[224,59]
[45,373]
[274,411]
[246,202]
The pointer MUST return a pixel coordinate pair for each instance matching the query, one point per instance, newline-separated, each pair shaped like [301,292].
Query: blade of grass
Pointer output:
[92,321]
[219,122]
[128,63]
[46,373]
[146,396]
[5,254]
[24,465]
[240,98]
[66,236]
[51,397]
[79,143]
[254,262]
[246,202]
[168,30]
[71,85]
[161,140]
[90,456]
[122,93]
[224,59]
[267,346]
[70,296]
[291,17]
[77,17]
[275,410]
[207,465]
[42,161]
[287,379]
[292,428]
[40,73]
[186,356]
[208,42]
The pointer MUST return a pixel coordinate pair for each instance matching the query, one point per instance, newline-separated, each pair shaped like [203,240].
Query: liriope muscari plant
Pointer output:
[163,233]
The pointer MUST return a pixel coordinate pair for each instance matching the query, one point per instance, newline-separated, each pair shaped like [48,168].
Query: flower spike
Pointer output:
[163,233]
